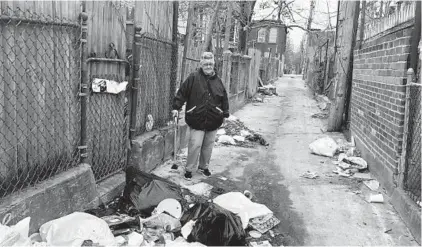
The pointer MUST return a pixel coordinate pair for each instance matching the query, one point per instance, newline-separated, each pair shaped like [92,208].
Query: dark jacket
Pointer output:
[206,101]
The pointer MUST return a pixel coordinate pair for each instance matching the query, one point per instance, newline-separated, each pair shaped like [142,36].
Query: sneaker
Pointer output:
[188,175]
[205,172]
[174,167]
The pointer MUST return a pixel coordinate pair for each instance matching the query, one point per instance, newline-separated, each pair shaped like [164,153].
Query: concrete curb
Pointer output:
[153,148]
[408,211]
[69,191]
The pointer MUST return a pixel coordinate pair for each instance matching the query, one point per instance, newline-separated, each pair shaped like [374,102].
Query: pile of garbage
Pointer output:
[234,132]
[269,90]
[153,211]
[348,160]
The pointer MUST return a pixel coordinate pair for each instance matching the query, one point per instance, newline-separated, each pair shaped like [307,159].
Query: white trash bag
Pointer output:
[325,146]
[75,228]
[16,235]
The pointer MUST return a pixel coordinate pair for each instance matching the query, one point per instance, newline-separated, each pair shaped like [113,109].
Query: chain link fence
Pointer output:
[412,174]
[156,88]
[39,103]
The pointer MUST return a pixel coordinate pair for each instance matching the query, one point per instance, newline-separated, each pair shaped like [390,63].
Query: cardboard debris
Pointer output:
[310,175]
[239,138]
[372,184]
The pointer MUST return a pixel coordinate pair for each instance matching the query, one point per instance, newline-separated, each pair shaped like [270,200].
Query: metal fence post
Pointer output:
[174,55]
[84,84]
[402,165]
[135,81]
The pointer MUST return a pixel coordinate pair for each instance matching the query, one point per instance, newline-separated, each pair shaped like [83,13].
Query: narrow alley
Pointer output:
[320,212]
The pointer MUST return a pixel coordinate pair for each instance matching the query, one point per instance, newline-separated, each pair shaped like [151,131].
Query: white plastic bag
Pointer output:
[75,228]
[325,146]
[16,235]
[239,204]
[226,139]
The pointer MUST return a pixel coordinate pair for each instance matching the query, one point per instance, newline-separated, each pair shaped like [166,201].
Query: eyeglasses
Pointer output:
[208,65]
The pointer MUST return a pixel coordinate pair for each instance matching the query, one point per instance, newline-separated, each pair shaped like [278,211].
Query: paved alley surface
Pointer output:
[323,211]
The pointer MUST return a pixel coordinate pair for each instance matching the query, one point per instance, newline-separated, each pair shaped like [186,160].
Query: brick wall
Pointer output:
[378,95]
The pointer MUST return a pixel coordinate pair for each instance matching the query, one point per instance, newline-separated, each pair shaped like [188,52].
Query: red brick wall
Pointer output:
[378,94]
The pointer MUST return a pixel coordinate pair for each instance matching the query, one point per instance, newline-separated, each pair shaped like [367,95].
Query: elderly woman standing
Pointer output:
[206,107]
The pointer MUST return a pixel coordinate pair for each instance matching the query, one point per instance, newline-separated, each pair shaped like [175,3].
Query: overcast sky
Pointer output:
[300,9]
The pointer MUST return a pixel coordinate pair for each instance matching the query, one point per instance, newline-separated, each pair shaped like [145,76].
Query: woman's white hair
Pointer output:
[207,57]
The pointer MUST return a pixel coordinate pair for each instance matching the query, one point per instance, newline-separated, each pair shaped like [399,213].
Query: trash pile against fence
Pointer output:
[153,211]
[234,132]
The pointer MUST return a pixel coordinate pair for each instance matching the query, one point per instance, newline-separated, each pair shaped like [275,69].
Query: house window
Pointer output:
[261,35]
[273,35]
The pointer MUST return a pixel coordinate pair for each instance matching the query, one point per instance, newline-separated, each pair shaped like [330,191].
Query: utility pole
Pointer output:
[228,26]
[188,38]
[347,30]
[308,28]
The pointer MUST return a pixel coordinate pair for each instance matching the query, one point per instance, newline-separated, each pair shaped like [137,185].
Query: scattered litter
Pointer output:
[244,133]
[239,204]
[248,194]
[199,189]
[217,190]
[271,233]
[256,99]
[115,220]
[135,239]
[372,184]
[344,174]
[265,243]
[376,198]
[255,234]
[265,223]
[221,132]
[341,157]
[215,226]
[226,140]
[257,138]
[343,165]
[364,176]
[239,138]
[223,178]
[357,192]
[325,146]
[356,162]
[160,220]
[310,175]
[387,231]
[232,118]
[180,241]
[351,152]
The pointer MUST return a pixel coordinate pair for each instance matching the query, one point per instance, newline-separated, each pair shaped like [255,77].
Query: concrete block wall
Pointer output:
[378,98]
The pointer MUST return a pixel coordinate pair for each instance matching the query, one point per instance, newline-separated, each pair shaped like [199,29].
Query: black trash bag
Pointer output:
[145,191]
[215,226]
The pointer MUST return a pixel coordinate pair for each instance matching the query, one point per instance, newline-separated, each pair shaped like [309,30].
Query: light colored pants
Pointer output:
[200,147]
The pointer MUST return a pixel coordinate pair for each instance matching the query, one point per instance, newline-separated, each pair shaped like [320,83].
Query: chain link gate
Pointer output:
[156,86]
[412,172]
[39,102]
